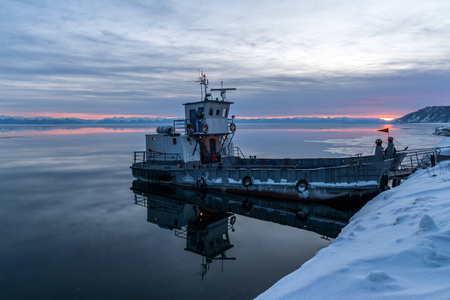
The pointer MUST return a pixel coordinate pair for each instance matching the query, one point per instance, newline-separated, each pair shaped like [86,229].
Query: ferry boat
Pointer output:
[198,152]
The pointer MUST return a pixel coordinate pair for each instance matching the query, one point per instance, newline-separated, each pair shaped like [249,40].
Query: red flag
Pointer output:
[384,130]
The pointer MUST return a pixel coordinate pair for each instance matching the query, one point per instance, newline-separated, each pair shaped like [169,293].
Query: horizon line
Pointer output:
[91,116]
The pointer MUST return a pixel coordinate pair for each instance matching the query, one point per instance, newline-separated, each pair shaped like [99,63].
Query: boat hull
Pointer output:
[319,184]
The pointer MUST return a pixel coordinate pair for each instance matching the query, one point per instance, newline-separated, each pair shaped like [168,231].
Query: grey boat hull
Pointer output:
[314,184]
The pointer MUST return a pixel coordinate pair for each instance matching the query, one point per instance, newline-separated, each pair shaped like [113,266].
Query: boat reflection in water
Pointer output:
[205,218]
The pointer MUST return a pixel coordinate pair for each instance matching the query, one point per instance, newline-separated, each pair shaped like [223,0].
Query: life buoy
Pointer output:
[247,181]
[247,205]
[233,220]
[190,129]
[233,127]
[201,195]
[301,215]
[301,186]
[205,128]
[201,181]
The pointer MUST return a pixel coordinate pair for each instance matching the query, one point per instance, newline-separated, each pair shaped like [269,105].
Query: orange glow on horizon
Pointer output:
[92,116]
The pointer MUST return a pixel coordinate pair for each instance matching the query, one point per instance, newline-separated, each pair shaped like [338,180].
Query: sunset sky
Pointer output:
[286,58]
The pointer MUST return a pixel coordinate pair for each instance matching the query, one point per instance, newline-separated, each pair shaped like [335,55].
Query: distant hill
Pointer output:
[142,121]
[429,114]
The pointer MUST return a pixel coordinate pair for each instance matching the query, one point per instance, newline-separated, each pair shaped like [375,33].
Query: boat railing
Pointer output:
[296,167]
[139,157]
[238,152]
[179,125]
[154,156]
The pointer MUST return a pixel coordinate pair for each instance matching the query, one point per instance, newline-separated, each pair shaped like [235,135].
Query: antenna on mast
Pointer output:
[203,81]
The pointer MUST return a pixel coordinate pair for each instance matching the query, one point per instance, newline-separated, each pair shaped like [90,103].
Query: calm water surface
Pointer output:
[73,229]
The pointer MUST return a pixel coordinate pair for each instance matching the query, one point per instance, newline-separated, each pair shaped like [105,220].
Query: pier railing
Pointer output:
[417,159]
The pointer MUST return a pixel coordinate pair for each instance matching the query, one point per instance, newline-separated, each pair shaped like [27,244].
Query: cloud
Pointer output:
[94,56]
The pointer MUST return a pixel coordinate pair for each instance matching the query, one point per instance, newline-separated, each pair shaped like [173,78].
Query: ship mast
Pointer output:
[203,82]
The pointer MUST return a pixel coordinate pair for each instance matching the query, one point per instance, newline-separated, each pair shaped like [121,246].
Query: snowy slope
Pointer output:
[430,114]
[396,247]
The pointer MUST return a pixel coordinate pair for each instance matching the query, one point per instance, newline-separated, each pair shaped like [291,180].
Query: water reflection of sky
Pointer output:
[70,228]
[5,131]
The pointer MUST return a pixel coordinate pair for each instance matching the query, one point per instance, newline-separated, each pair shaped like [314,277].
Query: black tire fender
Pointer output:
[302,186]
[301,215]
[247,205]
[201,182]
[247,181]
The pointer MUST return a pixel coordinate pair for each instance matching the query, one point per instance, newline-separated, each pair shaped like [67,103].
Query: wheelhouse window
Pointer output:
[211,111]
[218,112]
[225,113]
[174,141]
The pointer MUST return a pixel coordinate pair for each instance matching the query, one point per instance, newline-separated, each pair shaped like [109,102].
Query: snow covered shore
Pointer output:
[396,247]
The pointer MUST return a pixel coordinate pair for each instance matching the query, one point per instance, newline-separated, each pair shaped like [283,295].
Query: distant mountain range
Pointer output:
[76,121]
[429,114]
[143,121]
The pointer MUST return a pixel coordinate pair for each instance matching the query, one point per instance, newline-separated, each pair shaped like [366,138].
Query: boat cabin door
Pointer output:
[193,119]
[213,150]
[212,146]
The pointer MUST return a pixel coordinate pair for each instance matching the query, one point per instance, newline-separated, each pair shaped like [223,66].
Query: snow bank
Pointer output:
[396,247]
[444,146]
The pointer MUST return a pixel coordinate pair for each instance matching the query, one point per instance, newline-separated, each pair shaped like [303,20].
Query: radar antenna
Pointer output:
[223,91]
